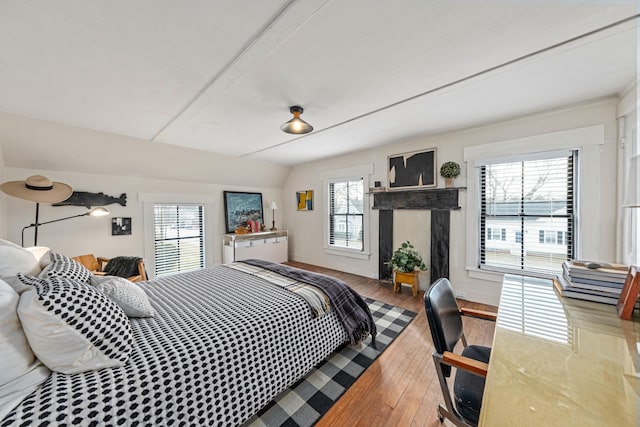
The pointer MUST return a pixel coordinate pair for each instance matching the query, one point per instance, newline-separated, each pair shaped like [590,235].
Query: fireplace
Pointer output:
[440,201]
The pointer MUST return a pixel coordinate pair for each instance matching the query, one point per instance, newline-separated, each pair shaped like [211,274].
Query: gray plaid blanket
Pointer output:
[351,309]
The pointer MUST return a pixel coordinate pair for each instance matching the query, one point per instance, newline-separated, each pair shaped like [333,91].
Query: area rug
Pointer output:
[304,403]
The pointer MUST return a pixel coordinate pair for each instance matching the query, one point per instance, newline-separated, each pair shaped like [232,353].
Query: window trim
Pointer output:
[202,235]
[337,175]
[585,139]
[571,214]
[209,201]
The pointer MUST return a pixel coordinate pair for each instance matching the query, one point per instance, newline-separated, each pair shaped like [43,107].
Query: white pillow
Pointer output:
[42,254]
[21,372]
[15,259]
[72,327]
[130,297]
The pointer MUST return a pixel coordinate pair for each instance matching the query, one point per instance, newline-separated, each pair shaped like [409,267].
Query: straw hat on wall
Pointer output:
[39,189]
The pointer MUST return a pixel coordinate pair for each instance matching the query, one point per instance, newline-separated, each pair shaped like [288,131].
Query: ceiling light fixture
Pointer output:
[296,125]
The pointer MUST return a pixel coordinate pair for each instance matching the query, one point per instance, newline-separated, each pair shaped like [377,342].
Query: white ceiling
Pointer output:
[221,75]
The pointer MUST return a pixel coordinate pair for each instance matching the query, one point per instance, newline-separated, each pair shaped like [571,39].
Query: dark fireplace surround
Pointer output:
[440,201]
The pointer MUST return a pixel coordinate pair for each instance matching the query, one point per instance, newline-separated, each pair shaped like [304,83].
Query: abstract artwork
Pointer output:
[120,226]
[241,207]
[413,170]
[304,200]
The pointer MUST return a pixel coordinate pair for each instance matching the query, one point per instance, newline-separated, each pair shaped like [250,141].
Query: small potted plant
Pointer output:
[406,263]
[449,171]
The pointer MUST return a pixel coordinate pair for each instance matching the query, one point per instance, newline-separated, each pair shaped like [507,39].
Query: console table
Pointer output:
[268,245]
[560,362]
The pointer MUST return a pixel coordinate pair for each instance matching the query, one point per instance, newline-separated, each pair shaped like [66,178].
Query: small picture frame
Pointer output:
[304,200]
[412,171]
[121,226]
[240,207]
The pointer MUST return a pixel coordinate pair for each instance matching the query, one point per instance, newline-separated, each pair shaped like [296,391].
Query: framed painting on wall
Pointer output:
[304,200]
[121,226]
[414,170]
[240,207]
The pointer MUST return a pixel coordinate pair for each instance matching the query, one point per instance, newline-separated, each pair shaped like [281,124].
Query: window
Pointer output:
[496,234]
[551,237]
[179,238]
[533,200]
[346,214]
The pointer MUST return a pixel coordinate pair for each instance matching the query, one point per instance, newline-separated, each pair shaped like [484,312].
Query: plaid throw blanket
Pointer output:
[351,309]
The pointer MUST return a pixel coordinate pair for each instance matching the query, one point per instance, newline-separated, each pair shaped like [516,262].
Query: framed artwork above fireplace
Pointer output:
[414,170]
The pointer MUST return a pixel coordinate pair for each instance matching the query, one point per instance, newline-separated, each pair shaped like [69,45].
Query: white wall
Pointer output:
[84,235]
[599,211]
[3,199]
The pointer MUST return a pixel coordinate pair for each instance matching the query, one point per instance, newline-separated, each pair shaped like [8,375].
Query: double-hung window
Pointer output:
[532,200]
[346,214]
[178,238]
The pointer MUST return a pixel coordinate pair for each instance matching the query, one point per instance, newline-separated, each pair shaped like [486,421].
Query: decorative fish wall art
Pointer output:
[89,200]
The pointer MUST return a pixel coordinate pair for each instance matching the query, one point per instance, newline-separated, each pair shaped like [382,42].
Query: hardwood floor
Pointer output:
[401,387]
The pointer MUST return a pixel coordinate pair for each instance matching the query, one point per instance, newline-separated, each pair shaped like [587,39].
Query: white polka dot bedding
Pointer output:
[221,345]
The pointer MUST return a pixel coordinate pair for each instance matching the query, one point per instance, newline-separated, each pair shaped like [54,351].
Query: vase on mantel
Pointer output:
[448,182]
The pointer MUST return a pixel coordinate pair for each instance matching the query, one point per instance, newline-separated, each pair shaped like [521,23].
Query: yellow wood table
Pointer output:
[560,362]
[408,278]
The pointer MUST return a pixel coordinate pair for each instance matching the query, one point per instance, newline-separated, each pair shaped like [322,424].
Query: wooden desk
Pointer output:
[560,362]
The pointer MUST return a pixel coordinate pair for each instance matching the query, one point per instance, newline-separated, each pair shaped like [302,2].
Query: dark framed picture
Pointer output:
[120,226]
[414,170]
[241,207]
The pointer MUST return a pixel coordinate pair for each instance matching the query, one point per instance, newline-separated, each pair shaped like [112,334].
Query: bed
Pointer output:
[221,344]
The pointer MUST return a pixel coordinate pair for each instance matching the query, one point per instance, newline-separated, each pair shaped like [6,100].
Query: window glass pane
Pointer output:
[527,214]
[179,238]
[346,219]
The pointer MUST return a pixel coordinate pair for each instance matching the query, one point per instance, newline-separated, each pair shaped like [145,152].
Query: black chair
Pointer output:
[445,323]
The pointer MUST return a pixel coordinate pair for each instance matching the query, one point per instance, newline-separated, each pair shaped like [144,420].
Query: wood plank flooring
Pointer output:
[401,387]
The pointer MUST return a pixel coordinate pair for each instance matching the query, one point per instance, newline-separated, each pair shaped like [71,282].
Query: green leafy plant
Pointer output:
[406,259]
[449,170]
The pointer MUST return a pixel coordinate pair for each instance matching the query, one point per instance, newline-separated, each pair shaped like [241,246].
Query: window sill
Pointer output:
[497,274]
[347,252]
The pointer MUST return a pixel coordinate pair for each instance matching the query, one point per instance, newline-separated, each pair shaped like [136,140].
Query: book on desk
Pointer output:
[603,284]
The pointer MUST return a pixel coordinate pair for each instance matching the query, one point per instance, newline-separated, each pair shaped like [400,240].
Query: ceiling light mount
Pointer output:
[296,125]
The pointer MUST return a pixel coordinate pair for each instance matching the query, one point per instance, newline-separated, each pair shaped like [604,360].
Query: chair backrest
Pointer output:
[89,261]
[443,314]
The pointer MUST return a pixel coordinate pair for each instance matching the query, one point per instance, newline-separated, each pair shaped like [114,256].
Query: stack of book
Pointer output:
[602,284]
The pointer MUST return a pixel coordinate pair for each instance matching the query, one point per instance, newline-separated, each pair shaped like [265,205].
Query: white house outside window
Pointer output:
[179,238]
[346,214]
[532,202]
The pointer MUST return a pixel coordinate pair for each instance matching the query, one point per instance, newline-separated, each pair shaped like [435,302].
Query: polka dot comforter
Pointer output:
[221,346]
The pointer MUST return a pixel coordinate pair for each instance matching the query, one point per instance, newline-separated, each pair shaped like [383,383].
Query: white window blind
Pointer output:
[531,203]
[179,238]
[346,214]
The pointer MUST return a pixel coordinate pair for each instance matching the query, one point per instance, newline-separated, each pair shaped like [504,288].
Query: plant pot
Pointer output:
[410,278]
[448,182]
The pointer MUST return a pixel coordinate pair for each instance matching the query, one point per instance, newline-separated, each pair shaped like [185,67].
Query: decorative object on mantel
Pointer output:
[304,200]
[407,263]
[89,200]
[241,207]
[449,171]
[296,125]
[121,226]
[415,170]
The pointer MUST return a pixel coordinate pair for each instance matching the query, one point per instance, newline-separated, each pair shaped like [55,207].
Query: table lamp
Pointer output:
[273,208]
